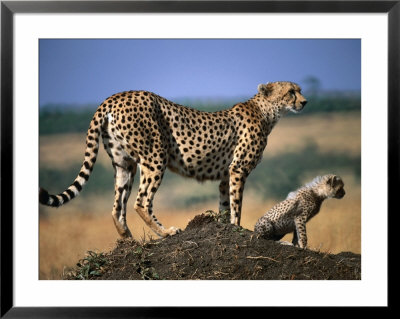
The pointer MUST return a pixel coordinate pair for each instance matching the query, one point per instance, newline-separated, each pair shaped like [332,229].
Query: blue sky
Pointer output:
[88,71]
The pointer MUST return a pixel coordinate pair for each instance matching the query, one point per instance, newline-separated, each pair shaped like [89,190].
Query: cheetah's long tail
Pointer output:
[92,147]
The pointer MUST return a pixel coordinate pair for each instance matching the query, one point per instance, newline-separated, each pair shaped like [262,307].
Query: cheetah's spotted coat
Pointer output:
[142,129]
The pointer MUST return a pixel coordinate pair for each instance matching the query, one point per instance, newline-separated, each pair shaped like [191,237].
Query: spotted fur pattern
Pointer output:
[142,129]
[292,214]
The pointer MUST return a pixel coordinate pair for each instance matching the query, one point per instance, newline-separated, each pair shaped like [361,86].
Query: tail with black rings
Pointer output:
[92,147]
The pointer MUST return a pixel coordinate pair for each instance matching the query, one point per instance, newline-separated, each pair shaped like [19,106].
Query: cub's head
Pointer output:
[334,186]
[285,94]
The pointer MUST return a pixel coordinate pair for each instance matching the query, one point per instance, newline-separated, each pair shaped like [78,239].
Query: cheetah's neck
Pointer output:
[271,111]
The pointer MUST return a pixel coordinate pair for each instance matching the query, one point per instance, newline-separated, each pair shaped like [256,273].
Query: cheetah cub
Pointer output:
[292,214]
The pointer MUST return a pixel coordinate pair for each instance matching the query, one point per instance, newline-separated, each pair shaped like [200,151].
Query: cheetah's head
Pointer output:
[285,94]
[335,186]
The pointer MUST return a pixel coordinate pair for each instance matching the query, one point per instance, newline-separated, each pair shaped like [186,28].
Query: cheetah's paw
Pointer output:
[173,231]
[286,243]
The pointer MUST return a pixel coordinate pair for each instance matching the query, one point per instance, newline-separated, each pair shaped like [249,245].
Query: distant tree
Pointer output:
[313,85]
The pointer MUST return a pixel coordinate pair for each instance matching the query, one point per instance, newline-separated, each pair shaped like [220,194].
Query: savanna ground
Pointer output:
[85,224]
[211,248]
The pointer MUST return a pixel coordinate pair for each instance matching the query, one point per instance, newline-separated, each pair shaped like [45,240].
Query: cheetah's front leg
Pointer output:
[224,195]
[295,240]
[236,187]
[301,231]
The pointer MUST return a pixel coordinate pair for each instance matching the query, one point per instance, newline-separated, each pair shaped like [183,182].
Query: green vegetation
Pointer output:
[54,119]
[143,265]
[274,177]
[90,266]
[277,175]
[101,180]
[332,103]
[67,118]
[222,217]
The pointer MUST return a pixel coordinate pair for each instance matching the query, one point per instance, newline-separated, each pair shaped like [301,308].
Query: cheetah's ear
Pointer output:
[265,89]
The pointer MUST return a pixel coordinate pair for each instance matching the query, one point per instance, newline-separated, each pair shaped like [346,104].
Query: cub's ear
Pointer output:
[265,89]
[332,180]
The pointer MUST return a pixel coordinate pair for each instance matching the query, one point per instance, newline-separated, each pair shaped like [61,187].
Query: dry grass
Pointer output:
[66,236]
[76,228]
[72,150]
[336,131]
[86,223]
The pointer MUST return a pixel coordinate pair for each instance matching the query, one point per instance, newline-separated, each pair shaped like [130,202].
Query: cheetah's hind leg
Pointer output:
[124,172]
[123,185]
[150,180]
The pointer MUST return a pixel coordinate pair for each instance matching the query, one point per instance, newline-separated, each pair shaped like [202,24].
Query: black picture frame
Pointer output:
[9,8]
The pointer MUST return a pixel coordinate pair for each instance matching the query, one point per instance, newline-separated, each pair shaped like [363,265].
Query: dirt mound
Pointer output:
[212,248]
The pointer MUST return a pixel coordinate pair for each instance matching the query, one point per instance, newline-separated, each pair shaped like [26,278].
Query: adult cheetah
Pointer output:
[143,129]
[292,214]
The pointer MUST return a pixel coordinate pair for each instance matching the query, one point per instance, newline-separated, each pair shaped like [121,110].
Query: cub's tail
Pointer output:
[92,147]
